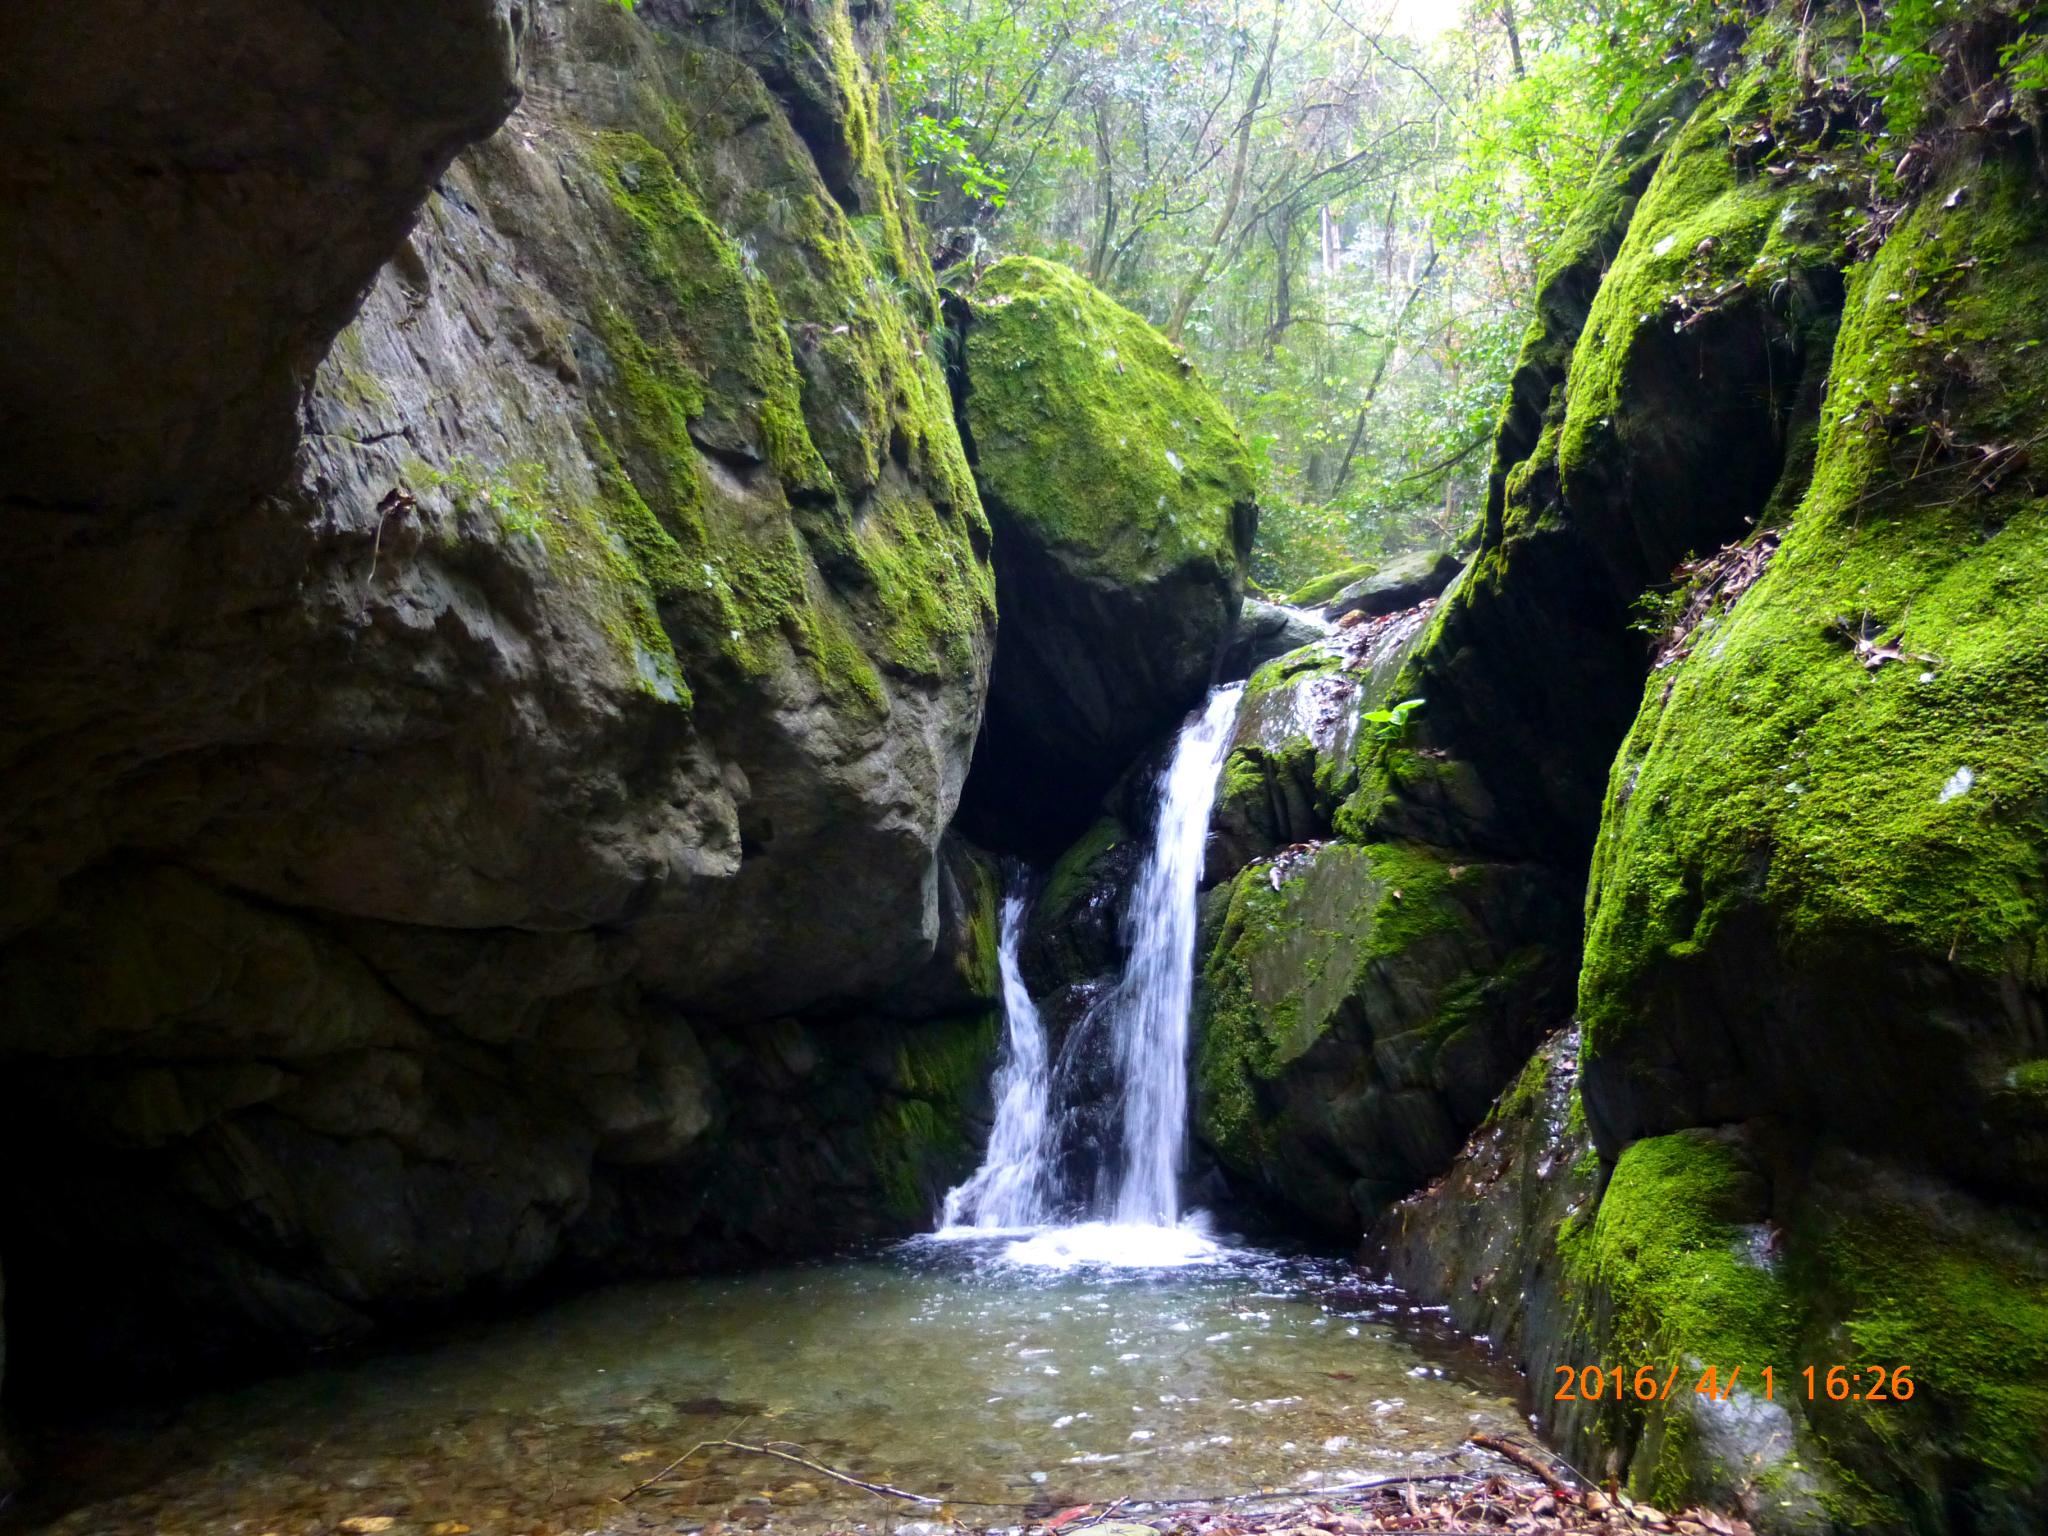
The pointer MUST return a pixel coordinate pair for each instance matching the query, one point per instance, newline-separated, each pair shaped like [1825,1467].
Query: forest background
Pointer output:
[1339,207]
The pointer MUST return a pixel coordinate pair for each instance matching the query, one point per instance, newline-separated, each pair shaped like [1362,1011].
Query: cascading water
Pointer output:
[1146,1017]
[1011,1188]
[1152,1001]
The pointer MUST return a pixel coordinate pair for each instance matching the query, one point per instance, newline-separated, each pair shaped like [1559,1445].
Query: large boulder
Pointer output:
[1806,1126]
[1675,327]
[1361,1006]
[1122,502]
[1265,630]
[1362,999]
[1817,905]
[457,792]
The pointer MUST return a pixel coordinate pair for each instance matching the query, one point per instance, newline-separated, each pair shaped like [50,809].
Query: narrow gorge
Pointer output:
[634,818]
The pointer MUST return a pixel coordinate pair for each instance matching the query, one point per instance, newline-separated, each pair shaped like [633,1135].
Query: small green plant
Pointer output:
[1391,724]
[518,497]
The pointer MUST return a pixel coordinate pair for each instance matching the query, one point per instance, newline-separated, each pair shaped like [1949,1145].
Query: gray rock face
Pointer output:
[197,195]
[1265,630]
[1398,584]
[435,779]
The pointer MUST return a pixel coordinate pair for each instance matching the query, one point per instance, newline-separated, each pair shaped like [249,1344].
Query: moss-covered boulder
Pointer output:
[1316,592]
[1400,583]
[1122,502]
[1264,631]
[1360,1007]
[1660,390]
[1303,737]
[1819,887]
[1805,1125]
[1817,900]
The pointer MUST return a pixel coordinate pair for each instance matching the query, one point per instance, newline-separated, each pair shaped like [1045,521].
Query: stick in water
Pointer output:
[1520,1458]
[783,1450]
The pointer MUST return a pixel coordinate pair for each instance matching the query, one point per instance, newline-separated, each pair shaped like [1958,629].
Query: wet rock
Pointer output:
[1400,583]
[517,643]
[1265,630]
[1359,1008]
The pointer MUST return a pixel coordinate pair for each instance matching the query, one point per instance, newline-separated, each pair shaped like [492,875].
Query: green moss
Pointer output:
[1965,1313]
[1382,933]
[1524,1095]
[1076,871]
[1666,1252]
[1092,430]
[616,558]
[909,1135]
[1323,588]
[919,1135]
[1774,768]
[1706,233]
[349,361]
[714,347]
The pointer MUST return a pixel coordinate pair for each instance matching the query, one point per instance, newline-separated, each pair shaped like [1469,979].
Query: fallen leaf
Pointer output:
[365,1525]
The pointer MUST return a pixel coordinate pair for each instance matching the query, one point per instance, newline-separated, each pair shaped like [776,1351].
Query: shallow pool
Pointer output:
[952,1369]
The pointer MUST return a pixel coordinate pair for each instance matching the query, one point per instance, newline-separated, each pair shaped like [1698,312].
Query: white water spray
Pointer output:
[1010,1189]
[1152,1001]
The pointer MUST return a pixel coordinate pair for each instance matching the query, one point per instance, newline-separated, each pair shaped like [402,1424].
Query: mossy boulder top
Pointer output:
[1096,433]
[1122,502]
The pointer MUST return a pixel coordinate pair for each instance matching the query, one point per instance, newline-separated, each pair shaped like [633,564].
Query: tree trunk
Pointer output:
[1192,289]
[1379,373]
[1507,20]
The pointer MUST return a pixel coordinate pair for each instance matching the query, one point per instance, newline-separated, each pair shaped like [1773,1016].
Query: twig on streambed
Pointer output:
[1406,1480]
[1108,1510]
[783,1450]
[1521,1458]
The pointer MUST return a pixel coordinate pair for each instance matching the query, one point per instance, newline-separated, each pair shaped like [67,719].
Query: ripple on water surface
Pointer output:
[1002,1371]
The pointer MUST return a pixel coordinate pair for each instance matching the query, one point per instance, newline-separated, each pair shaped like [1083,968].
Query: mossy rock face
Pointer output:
[1359,1009]
[1302,740]
[1122,501]
[1811,991]
[1483,1236]
[1665,384]
[1674,425]
[1569,280]
[1075,929]
[1398,584]
[576,675]
[1817,898]
[1819,889]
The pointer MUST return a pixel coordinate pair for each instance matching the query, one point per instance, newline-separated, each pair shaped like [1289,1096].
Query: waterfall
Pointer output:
[1153,999]
[1011,1188]
[1146,1016]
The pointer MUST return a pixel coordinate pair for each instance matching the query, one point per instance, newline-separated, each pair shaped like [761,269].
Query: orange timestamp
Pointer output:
[1835,1383]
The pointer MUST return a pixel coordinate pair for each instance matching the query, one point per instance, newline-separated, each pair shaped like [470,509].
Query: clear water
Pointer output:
[946,1368]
